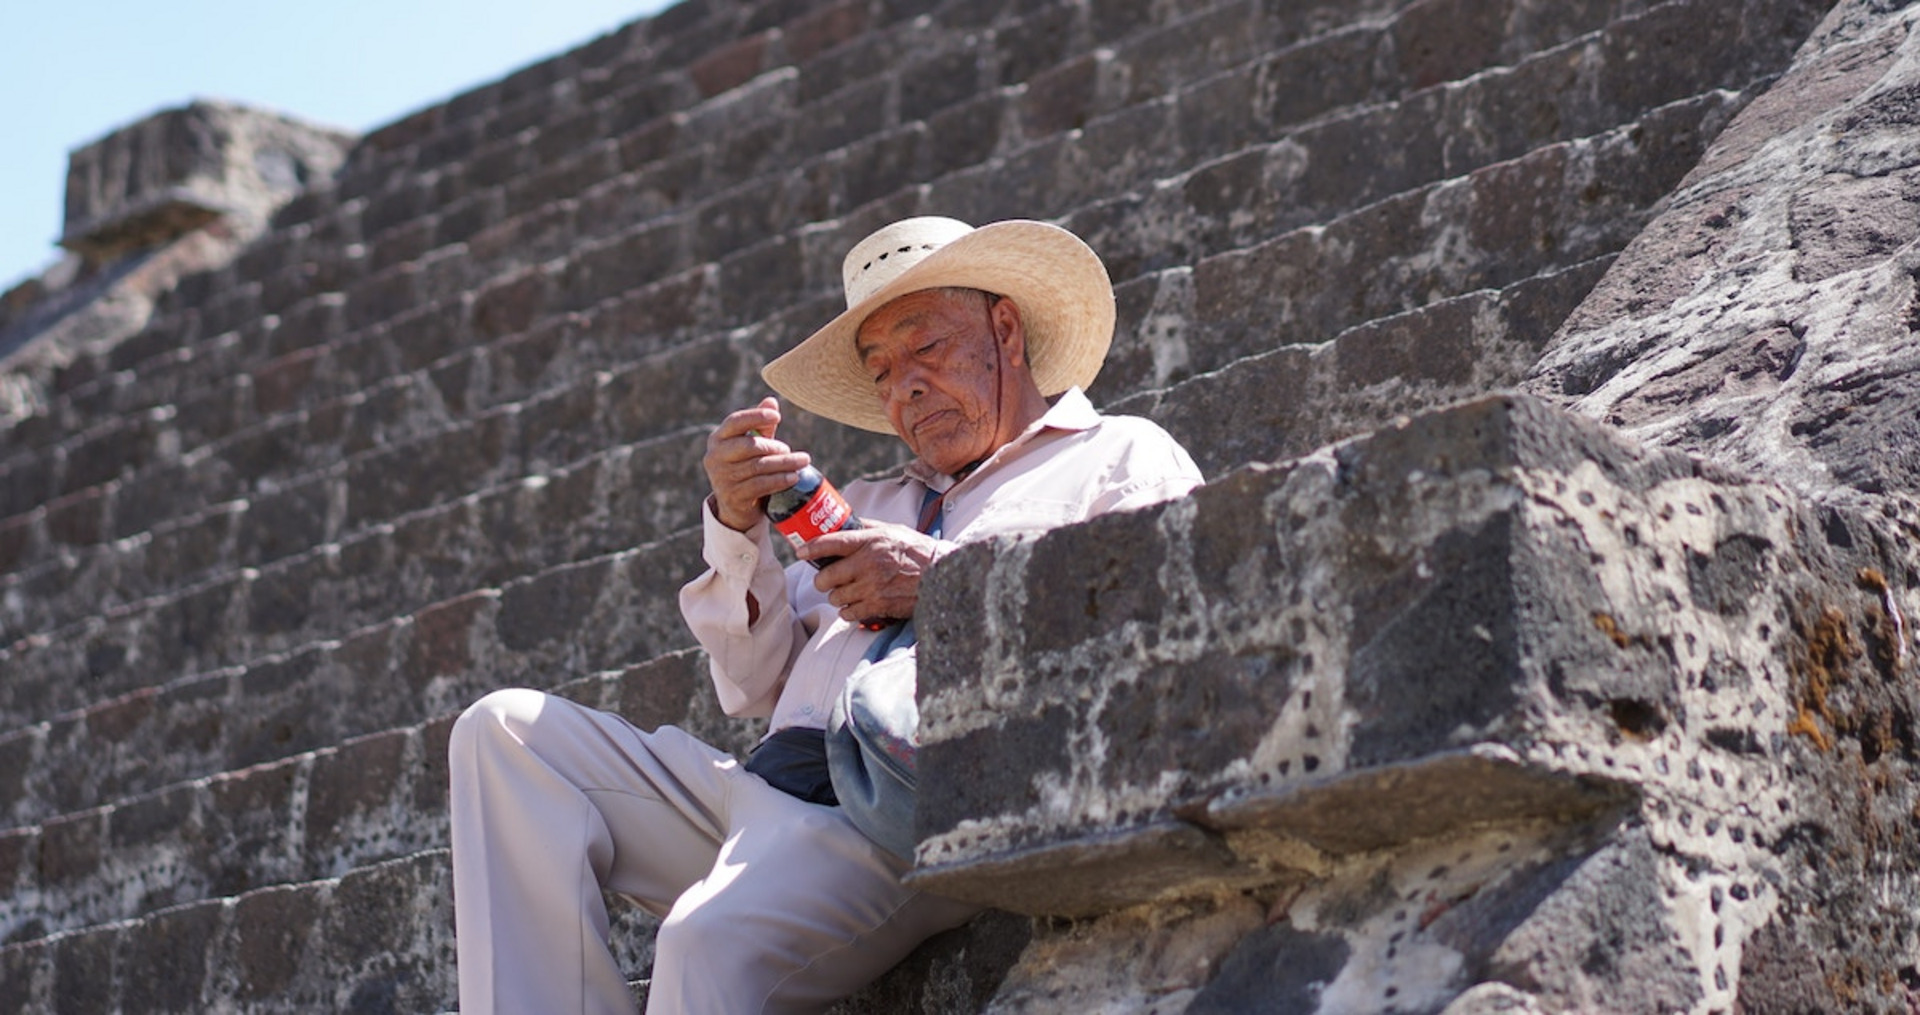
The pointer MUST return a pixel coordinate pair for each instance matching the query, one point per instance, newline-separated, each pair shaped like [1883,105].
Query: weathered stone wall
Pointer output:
[1486,697]
[1493,709]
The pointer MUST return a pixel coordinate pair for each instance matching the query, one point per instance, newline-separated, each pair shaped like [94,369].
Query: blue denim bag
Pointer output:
[871,740]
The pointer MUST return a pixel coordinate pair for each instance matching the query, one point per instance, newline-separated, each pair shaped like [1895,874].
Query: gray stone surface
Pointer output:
[1766,318]
[1488,694]
[181,169]
[1476,714]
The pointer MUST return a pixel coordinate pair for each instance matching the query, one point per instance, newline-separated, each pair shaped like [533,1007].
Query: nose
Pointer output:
[907,383]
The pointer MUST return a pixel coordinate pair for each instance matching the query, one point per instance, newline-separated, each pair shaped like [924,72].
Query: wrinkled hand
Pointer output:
[878,574]
[744,468]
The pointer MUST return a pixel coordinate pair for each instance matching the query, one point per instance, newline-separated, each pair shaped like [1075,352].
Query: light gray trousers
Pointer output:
[768,903]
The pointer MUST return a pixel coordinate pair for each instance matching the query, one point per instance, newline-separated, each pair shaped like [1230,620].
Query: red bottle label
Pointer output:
[826,511]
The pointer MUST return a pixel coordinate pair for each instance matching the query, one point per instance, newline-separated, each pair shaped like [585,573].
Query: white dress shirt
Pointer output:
[1070,465]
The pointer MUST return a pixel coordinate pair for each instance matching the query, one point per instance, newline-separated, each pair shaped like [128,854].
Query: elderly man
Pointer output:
[972,346]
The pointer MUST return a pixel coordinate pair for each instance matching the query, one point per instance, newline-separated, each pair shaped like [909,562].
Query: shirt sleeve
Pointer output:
[749,656]
[1152,468]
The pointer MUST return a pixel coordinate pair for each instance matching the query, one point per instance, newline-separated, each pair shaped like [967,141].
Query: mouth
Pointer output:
[930,421]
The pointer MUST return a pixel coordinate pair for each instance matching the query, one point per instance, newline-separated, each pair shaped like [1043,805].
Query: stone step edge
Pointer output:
[427,649]
[370,798]
[670,443]
[82,572]
[378,931]
[594,384]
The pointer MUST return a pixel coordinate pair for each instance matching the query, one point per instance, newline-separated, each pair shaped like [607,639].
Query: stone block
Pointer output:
[875,168]
[85,967]
[271,932]
[78,519]
[758,281]
[1036,38]
[824,28]
[509,306]
[181,169]
[391,481]
[558,426]
[20,537]
[312,322]
[1162,61]
[966,134]
[284,522]
[351,794]
[384,296]
[552,605]
[608,269]
[863,57]
[245,836]
[464,217]
[1413,617]
[562,178]
[1119,153]
[684,386]
[730,67]
[71,846]
[441,640]
[387,928]
[938,80]
[406,241]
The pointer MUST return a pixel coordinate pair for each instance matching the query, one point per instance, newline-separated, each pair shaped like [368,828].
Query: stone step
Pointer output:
[314,815]
[293,469]
[240,615]
[604,501]
[746,210]
[78,743]
[1289,401]
[650,72]
[1552,208]
[380,938]
[1274,183]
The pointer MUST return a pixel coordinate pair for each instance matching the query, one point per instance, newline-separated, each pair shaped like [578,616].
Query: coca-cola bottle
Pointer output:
[809,509]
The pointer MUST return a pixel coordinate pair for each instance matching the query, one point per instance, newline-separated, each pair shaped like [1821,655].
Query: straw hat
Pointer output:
[1057,281]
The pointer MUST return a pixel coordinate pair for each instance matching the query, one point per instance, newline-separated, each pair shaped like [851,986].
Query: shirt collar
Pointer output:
[1071,412]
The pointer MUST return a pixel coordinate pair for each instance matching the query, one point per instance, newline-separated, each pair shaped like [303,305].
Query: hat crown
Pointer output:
[889,252]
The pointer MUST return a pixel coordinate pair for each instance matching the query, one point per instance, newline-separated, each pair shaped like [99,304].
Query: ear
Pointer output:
[1009,330]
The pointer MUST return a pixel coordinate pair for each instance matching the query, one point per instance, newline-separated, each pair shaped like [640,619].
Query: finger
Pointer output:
[760,420]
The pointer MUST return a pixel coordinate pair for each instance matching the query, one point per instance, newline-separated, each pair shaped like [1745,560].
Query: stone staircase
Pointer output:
[436,430]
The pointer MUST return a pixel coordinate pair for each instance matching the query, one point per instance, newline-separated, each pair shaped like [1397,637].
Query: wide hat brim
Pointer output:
[1058,283]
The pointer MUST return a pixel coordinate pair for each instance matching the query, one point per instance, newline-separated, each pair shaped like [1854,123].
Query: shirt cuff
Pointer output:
[733,555]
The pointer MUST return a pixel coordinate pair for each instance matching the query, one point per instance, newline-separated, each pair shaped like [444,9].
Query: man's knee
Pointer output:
[496,721]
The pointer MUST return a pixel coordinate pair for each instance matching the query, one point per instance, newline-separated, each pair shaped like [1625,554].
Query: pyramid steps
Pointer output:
[431,434]
[370,414]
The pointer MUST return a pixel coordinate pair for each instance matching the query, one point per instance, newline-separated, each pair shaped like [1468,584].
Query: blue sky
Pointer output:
[73,71]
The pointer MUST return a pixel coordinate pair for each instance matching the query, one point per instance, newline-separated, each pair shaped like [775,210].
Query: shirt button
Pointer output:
[806,710]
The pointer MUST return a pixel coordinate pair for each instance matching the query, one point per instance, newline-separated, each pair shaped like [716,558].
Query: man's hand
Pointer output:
[745,465]
[878,574]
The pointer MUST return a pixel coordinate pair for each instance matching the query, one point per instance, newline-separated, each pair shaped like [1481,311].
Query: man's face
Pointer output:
[944,364]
